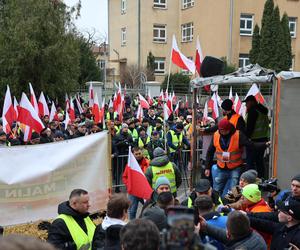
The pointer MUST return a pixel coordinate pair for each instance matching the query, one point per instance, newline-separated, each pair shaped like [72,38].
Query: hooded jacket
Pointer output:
[161,161]
[59,234]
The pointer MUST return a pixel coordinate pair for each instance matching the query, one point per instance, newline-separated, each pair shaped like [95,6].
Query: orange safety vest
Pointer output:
[235,152]
[234,119]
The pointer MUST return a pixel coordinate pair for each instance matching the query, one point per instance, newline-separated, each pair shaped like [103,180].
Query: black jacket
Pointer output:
[58,234]
[122,142]
[252,115]
[282,235]
[108,239]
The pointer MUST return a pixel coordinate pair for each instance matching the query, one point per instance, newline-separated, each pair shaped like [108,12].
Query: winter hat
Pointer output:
[124,125]
[227,105]
[296,178]
[202,186]
[179,125]
[252,193]
[290,206]
[249,176]
[158,152]
[162,180]
[224,124]
[157,216]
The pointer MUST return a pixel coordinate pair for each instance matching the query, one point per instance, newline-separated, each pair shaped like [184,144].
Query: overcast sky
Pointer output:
[93,16]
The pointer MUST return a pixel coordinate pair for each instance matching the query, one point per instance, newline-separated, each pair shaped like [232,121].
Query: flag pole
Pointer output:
[170,64]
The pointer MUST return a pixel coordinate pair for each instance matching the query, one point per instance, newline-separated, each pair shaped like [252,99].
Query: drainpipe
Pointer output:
[229,52]
[139,34]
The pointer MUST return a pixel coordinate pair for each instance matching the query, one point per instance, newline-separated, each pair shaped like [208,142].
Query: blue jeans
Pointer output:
[134,202]
[224,179]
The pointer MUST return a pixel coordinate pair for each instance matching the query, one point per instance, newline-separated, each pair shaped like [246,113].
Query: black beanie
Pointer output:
[227,105]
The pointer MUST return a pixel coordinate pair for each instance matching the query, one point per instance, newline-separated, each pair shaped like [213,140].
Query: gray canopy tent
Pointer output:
[285,112]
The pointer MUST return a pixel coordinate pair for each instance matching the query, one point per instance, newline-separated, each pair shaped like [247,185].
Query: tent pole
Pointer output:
[194,139]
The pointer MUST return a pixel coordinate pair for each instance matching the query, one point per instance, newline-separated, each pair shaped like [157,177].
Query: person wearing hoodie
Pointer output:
[238,233]
[107,233]
[161,166]
[73,229]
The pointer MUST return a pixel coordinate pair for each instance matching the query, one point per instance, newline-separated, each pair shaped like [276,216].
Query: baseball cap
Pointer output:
[290,206]
[202,186]
[252,193]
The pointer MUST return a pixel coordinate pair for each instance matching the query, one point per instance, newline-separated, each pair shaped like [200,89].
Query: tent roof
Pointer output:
[286,75]
[249,74]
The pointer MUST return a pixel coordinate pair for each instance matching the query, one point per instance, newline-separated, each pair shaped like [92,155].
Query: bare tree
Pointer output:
[133,76]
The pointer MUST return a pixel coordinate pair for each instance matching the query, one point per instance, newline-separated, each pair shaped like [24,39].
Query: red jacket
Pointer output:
[144,164]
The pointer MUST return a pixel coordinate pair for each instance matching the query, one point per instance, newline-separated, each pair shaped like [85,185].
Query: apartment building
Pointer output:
[224,28]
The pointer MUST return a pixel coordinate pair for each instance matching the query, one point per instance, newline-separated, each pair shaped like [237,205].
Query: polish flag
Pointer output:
[174,97]
[135,180]
[78,104]
[114,102]
[16,108]
[199,56]
[91,96]
[167,112]
[29,117]
[161,96]
[237,104]
[33,100]
[110,104]
[67,120]
[181,60]
[176,110]
[170,103]
[71,110]
[8,113]
[219,99]
[143,102]
[213,104]
[53,113]
[140,113]
[150,101]
[67,102]
[254,90]
[186,102]
[96,110]
[230,94]
[42,104]
[102,110]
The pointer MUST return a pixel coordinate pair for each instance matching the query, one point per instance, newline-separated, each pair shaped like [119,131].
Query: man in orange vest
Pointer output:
[228,145]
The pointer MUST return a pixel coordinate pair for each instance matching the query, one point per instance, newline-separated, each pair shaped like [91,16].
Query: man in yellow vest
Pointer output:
[228,145]
[257,129]
[73,228]
[161,166]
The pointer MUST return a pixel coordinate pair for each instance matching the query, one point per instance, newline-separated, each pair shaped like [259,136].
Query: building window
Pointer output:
[293,26]
[187,31]
[243,60]
[159,33]
[123,36]
[293,63]
[162,4]
[101,64]
[160,64]
[246,25]
[123,6]
[187,4]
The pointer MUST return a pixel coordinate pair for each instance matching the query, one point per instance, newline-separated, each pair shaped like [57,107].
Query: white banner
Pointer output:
[35,179]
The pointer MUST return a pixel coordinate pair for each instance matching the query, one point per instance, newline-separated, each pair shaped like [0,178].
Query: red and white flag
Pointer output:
[176,110]
[91,96]
[205,111]
[254,90]
[67,120]
[135,180]
[29,117]
[230,94]
[167,112]
[53,113]
[213,104]
[161,96]
[186,102]
[219,99]
[174,97]
[42,104]
[237,104]
[71,110]
[102,110]
[150,101]
[67,102]
[140,113]
[8,113]
[199,56]
[143,102]
[16,108]
[170,103]
[96,109]
[180,59]
[78,104]
[33,100]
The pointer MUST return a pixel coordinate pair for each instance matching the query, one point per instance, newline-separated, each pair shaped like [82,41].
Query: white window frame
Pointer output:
[293,20]
[160,28]
[158,62]
[246,18]
[244,58]
[160,4]
[293,63]
[123,6]
[123,36]
[187,4]
[101,64]
[184,29]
